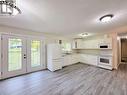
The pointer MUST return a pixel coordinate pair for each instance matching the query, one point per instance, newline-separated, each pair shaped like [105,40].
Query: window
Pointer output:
[66,47]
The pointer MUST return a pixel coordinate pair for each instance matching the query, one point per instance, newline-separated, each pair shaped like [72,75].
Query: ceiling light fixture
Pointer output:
[83,35]
[106,18]
[8,7]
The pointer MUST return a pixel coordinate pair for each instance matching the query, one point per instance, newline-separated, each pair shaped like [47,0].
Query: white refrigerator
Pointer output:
[54,57]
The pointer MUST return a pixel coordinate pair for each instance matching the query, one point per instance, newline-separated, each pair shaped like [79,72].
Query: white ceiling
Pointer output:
[68,17]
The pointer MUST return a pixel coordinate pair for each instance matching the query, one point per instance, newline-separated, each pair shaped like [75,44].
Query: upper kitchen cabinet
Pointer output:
[85,44]
[106,40]
[90,44]
[77,44]
[105,43]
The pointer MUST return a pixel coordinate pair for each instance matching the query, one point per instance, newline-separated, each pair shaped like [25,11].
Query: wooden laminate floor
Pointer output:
[78,79]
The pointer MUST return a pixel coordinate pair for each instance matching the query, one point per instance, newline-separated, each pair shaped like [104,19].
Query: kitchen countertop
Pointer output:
[96,54]
[66,54]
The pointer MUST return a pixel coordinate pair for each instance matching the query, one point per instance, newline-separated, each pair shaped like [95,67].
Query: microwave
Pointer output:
[104,46]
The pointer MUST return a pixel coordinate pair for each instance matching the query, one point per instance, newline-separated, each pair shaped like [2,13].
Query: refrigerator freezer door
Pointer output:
[56,65]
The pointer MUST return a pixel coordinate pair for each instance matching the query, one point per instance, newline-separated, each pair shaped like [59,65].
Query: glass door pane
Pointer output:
[14,54]
[35,53]
[13,50]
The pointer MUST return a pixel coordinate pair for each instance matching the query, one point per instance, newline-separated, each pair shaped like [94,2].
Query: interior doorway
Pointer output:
[122,48]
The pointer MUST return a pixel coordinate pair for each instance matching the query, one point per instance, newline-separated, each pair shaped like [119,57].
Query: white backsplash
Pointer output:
[96,52]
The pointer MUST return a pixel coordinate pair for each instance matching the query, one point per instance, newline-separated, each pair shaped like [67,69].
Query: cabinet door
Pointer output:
[85,44]
[83,58]
[74,44]
[90,44]
[93,60]
[95,44]
[67,60]
[106,40]
[74,58]
[89,59]
[77,44]
[109,41]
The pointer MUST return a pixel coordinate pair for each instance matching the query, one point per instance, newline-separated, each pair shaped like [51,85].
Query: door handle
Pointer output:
[24,56]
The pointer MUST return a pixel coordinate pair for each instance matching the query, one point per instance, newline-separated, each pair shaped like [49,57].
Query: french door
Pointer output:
[36,55]
[21,55]
[13,56]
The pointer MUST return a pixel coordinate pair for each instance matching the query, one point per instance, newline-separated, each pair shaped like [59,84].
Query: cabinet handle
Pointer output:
[75,44]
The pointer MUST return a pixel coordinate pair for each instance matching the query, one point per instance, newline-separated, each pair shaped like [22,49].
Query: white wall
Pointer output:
[49,38]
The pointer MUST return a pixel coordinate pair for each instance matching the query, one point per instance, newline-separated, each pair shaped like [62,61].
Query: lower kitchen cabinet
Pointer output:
[70,59]
[74,58]
[66,60]
[89,59]
[83,58]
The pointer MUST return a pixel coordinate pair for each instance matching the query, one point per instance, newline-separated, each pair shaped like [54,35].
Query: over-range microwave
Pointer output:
[105,46]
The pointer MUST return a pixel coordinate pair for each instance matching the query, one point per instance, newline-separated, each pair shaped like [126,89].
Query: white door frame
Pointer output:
[0,57]
[5,72]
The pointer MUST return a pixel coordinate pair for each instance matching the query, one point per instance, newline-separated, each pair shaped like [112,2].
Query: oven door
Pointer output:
[105,60]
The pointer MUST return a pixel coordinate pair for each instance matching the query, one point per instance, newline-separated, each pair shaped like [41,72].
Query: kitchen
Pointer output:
[63,47]
[92,50]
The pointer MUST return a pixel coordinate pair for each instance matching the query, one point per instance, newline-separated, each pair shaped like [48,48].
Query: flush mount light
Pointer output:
[83,35]
[106,18]
[8,7]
